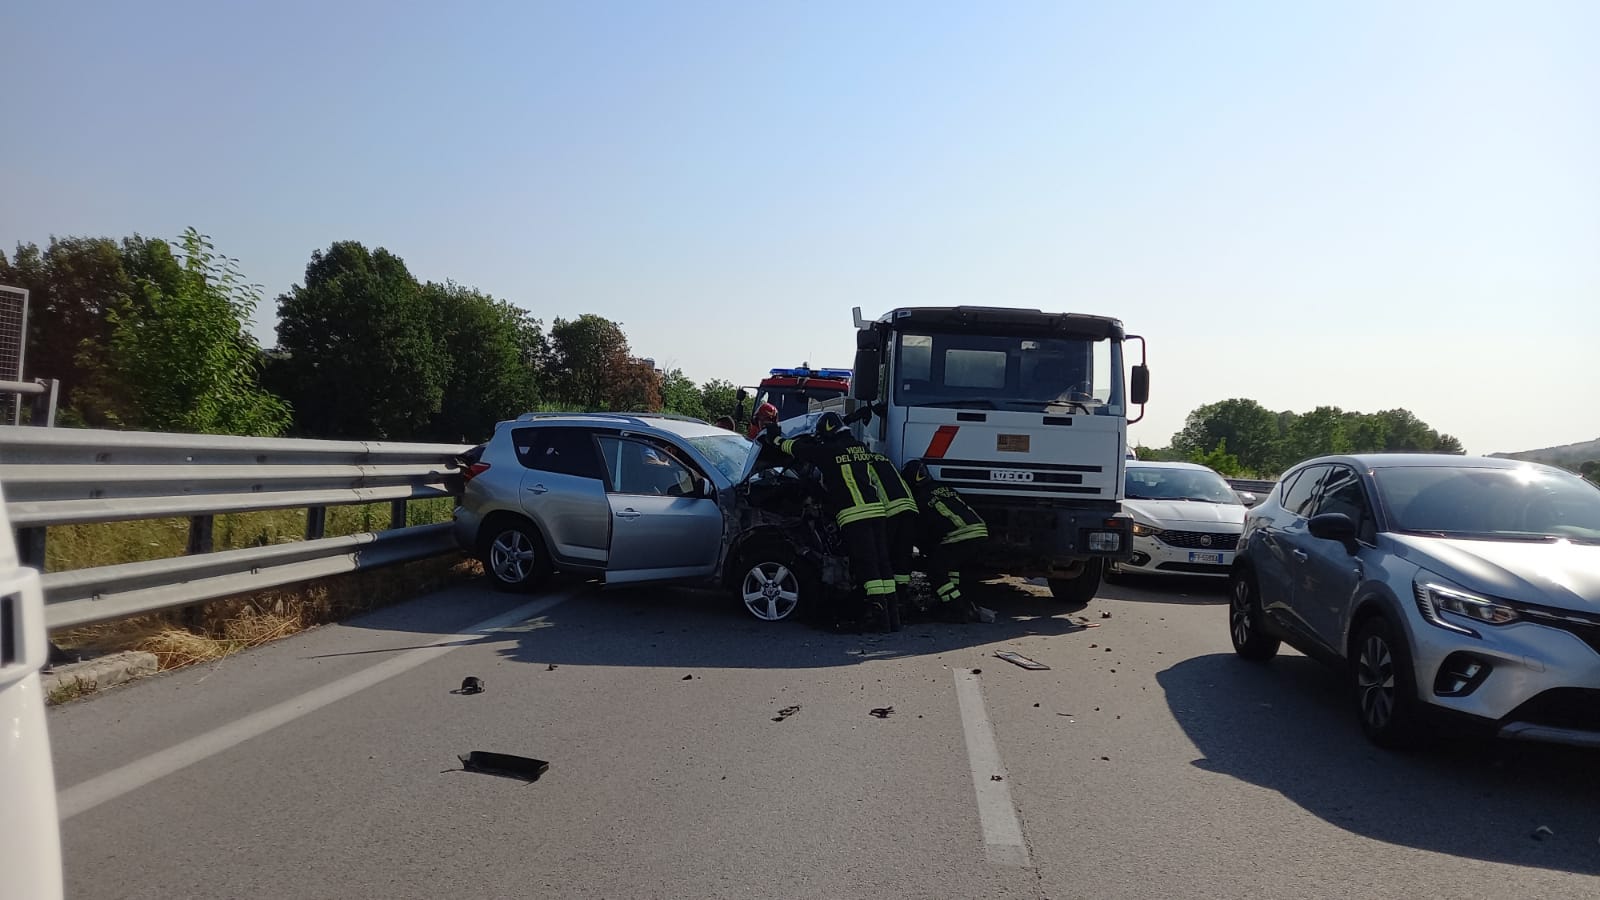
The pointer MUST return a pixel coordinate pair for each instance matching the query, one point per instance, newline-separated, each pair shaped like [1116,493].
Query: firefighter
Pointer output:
[949,534]
[846,468]
[766,416]
[900,523]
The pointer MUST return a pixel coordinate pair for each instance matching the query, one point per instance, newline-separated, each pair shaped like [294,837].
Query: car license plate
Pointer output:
[1206,558]
[1009,475]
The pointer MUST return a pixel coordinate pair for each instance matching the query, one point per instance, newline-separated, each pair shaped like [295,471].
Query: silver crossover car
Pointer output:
[645,498]
[1450,589]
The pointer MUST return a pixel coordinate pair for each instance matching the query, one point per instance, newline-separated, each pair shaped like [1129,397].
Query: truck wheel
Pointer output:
[1077,592]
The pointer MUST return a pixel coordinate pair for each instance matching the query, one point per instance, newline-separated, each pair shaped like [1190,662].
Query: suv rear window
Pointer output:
[564,451]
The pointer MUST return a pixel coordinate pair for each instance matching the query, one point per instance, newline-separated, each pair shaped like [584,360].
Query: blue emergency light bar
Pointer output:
[803,372]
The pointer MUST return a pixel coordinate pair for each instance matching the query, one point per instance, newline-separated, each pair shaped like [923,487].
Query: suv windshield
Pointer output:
[1504,504]
[1057,375]
[731,453]
[1159,483]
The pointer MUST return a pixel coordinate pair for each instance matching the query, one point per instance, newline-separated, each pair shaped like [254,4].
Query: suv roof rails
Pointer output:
[635,419]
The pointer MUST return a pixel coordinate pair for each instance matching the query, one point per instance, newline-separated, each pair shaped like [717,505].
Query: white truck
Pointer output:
[1024,412]
[30,836]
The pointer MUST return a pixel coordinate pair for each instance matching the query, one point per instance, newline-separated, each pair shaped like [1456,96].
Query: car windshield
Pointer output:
[1160,483]
[1501,504]
[732,454]
[1058,375]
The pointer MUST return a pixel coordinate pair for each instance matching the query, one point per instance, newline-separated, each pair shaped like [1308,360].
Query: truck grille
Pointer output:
[1198,540]
[1047,478]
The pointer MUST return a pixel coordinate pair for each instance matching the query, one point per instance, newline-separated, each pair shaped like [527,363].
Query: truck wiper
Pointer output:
[969,403]
[1045,404]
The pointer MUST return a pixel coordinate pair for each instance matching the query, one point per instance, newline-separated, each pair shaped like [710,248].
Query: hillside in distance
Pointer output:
[1568,456]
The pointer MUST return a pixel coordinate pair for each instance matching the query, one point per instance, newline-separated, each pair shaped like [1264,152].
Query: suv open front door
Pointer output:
[663,523]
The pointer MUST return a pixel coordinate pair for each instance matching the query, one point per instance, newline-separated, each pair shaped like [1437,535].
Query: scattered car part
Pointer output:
[505,765]
[471,684]
[1017,659]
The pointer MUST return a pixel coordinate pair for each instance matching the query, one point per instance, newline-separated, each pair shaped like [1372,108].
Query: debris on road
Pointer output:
[786,712]
[1105,613]
[505,765]
[550,668]
[986,616]
[977,671]
[688,678]
[882,712]
[997,778]
[1542,832]
[1106,758]
[471,684]
[1017,659]
[1036,706]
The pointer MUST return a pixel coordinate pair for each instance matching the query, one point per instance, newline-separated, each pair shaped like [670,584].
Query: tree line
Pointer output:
[150,334]
[1240,437]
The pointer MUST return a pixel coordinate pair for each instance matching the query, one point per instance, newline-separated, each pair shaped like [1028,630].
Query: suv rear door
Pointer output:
[564,491]
[1285,542]
[660,528]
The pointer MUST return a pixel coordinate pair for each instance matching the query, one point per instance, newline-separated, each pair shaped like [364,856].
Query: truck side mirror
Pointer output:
[738,409]
[1141,385]
[864,384]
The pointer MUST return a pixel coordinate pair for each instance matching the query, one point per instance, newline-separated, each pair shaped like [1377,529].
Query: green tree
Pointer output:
[633,386]
[489,364]
[179,353]
[72,286]
[1220,459]
[719,397]
[681,395]
[361,357]
[590,361]
[1591,470]
[1245,425]
[1322,431]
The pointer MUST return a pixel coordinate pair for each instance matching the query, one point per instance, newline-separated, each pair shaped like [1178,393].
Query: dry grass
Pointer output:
[109,543]
[213,630]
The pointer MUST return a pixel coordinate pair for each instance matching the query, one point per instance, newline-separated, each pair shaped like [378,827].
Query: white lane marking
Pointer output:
[100,789]
[997,813]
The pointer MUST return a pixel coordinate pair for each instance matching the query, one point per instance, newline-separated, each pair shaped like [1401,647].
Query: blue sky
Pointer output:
[1363,204]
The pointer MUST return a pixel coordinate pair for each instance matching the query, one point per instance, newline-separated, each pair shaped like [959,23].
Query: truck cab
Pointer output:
[1025,412]
[797,391]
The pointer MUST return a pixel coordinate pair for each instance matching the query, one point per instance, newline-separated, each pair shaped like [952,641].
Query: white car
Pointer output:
[30,837]
[1186,520]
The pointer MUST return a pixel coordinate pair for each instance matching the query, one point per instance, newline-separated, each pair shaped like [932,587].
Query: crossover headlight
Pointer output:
[1142,530]
[1434,599]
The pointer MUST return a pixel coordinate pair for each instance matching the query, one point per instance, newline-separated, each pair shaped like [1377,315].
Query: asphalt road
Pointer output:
[1147,762]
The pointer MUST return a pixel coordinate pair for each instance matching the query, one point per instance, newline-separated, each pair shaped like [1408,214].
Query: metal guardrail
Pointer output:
[1251,486]
[57,476]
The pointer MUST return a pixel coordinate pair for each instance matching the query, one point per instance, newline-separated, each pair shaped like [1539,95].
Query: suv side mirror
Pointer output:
[1140,394]
[1334,527]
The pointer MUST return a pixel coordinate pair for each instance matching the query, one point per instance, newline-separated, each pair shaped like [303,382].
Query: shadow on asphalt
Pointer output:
[1286,726]
[682,628]
[1179,589]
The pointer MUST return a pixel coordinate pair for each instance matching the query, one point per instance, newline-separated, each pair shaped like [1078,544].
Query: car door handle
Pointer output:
[629,513]
[1301,555]
[538,489]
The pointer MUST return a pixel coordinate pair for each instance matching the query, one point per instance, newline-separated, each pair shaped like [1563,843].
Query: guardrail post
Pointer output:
[200,528]
[44,405]
[397,514]
[30,547]
[316,523]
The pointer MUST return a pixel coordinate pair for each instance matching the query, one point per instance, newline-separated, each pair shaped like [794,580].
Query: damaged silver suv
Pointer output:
[644,498]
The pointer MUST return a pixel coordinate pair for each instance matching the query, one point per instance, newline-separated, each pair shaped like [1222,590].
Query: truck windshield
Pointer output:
[986,371]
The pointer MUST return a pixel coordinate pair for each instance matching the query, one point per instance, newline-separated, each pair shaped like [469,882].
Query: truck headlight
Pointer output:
[1142,530]
[1105,541]
[1434,599]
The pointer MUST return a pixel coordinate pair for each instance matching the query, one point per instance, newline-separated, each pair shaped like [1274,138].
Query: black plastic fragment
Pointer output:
[506,765]
[882,712]
[471,684]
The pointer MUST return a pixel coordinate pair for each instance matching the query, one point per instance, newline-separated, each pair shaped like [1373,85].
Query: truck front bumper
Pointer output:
[1037,537]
